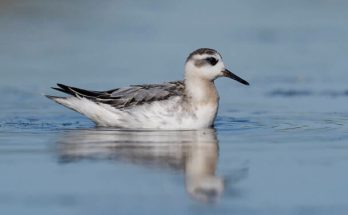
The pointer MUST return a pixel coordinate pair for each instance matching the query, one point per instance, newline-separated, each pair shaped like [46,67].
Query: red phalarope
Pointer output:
[189,104]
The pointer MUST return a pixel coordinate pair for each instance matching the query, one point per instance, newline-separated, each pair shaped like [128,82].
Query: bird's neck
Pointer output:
[201,91]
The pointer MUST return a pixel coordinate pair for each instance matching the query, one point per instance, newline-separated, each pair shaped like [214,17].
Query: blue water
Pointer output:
[280,146]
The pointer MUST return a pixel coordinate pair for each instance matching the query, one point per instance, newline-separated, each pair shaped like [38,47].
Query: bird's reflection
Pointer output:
[193,152]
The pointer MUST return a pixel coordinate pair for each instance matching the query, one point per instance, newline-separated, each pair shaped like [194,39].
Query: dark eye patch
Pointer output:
[212,61]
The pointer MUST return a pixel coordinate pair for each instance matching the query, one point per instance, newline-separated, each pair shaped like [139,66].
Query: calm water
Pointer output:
[279,146]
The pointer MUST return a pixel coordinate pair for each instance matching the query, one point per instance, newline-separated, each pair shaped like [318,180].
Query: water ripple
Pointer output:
[297,93]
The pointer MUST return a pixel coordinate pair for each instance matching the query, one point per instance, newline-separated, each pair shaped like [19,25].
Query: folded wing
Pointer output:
[128,96]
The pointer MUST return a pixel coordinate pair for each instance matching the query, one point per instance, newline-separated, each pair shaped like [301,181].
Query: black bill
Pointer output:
[229,74]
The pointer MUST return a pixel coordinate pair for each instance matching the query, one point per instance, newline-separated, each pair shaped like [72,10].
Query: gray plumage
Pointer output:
[202,51]
[128,96]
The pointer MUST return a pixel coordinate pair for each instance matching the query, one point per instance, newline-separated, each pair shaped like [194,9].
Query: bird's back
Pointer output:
[127,97]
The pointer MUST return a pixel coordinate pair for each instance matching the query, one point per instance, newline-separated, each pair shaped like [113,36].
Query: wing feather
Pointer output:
[128,96]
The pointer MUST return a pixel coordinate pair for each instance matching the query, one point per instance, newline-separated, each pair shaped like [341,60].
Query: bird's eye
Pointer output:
[212,61]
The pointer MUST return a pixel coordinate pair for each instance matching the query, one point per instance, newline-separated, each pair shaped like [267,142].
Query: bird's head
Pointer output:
[207,64]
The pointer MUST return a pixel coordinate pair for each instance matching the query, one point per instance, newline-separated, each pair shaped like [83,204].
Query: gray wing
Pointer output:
[128,96]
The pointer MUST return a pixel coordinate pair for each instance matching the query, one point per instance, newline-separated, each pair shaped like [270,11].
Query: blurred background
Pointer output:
[289,128]
[119,42]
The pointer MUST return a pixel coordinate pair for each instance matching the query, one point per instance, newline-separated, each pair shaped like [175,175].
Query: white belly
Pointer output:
[171,114]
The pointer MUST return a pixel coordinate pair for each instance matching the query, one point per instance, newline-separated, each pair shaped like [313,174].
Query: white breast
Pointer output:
[171,114]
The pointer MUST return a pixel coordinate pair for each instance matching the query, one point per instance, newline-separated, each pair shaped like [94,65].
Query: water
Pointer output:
[278,147]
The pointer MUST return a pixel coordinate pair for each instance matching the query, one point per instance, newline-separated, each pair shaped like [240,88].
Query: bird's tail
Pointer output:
[63,101]
[66,101]
[54,98]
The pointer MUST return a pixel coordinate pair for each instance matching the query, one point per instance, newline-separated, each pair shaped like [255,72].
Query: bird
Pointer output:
[188,104]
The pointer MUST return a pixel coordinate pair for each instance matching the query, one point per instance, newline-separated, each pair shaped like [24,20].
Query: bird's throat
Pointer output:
[201,91]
